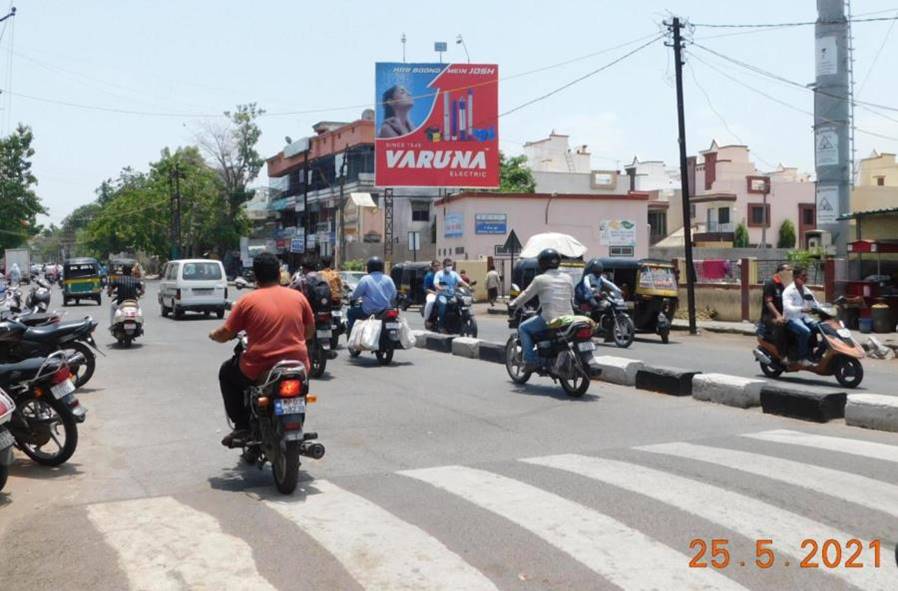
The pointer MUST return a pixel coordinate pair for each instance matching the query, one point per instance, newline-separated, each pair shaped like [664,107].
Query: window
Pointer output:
[172,271]
[723,215]
[807,216]
[658,225]
[756,215]
[880,181]
[459,250]
[420,211]
[620,251]
[202,271]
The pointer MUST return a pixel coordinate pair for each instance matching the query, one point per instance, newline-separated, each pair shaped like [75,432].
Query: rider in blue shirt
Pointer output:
[376,290]
[445,282]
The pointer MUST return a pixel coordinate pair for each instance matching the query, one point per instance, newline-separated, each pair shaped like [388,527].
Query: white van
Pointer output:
[193,285]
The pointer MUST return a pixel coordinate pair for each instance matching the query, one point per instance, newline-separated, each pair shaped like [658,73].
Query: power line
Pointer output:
[792,24]
[583,77]
[876,57]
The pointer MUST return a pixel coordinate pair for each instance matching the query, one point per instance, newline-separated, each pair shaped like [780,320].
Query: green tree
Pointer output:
[740,240]
[786,235]
[515,176]
[19,203]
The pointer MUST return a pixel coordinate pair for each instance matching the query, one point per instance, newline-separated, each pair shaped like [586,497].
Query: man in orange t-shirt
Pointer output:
[277,321]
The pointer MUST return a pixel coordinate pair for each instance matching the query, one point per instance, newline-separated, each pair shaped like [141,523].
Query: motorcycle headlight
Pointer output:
[844,333]
[467,300]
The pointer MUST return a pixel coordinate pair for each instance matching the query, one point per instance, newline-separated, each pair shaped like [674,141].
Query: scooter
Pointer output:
[7,441]
[127,324]
[835,352]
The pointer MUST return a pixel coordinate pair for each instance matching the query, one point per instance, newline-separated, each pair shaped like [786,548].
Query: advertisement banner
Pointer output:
[436,125]
[491,223]
[454,225]
[617,233]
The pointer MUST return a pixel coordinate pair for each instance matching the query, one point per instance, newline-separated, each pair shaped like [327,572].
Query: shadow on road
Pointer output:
[26,468]
[243,477]
[119,347]
[552,392]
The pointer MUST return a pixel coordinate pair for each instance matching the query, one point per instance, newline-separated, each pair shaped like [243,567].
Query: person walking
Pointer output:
[492,285]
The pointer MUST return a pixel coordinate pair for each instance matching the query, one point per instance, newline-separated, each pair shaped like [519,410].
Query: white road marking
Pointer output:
[749,517]
[165,545]
[605,545]
[377,548]
[844,485]
[855,447]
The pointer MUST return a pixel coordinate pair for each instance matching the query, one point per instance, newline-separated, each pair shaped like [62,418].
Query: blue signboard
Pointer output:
[296,245]
[454,225]
[491,223]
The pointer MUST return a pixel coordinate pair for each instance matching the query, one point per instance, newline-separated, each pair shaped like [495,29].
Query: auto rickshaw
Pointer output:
[116,266]
[81,281]
[409,280]
[650,286]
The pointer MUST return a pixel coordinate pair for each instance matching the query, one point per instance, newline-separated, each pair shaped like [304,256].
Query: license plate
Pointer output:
[6,439]
[586,346]
[289,406]
[324,334]
[337,314]
[392,326]
[130,325]
[203,290]
[62,389]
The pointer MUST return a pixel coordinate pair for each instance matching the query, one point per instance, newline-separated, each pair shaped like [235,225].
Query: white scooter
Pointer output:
[127,323]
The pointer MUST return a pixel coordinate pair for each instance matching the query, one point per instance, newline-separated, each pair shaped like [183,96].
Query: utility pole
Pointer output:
[305,205]
[175,178]
[342,237]
[676,26]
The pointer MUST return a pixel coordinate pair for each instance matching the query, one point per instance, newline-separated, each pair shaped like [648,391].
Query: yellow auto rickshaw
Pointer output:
[117,266]
[650,287]
[81,281]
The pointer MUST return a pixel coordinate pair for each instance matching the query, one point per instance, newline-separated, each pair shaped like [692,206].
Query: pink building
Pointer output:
[727,189]
[470,225]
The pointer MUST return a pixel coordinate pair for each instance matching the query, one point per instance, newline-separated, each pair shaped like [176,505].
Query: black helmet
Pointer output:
[595,267]
[548,259]
[375,264]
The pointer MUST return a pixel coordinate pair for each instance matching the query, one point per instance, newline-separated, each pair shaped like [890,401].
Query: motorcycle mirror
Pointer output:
[808,297]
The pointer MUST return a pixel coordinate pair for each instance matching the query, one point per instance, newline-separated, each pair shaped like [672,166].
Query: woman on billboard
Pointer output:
[397,103]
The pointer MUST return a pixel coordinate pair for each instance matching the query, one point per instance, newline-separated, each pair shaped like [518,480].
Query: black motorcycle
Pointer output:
[389,336]
[38,299]
[459,315]
[45,421]
[278,408]
[7,441]
[19,342]
[565,349]
[612,318]
[321,344]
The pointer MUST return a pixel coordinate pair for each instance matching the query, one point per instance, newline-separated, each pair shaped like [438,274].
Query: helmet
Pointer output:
[375,264]
[595,267]
[548,259]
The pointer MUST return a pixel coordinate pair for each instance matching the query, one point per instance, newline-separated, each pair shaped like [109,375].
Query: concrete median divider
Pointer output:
[439,342]
[797,403]
[666,380]
[420,337]
[727,389]
[466,347]
[872,411]
[617,370]
[492,352]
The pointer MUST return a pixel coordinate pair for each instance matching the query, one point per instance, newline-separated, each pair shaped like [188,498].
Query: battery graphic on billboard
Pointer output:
[427,134]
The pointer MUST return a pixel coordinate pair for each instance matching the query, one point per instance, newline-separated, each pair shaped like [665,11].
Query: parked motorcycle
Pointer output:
[459,315]
[612,318]
[19,342]
[38,299]
[835,352]
[46,408]
[11,302]
[278,409]
[320,346]
[7,441]
[566,350]
[127,324]
[389,336]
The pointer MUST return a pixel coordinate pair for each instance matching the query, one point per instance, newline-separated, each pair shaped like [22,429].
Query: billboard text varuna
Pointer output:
[437,125]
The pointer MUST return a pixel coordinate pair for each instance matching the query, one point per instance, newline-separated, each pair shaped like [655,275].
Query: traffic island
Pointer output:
[872,411]
[617,370]
[492,352]
[802,404]
[466,347]
[727,389]
[666,380]
[441,343]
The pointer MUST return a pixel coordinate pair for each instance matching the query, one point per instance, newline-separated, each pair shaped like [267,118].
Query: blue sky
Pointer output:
[192,60]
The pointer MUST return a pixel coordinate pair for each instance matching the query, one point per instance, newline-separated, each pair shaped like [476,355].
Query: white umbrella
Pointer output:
[566,245]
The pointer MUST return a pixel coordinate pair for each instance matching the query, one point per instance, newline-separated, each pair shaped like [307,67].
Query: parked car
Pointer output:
[193,285]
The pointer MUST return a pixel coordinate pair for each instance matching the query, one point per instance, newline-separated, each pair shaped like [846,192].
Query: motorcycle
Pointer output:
[11,301]
[38,299]
[835,352]
[19,342]
[127,324]
[45,401]
[459,316]
[7,441]
[320,346]
[338,325]
[613,321]
[278,410]
[566,350]
[389,336]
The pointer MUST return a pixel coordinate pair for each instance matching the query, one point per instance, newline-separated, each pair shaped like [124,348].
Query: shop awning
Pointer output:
[362,200]
[867,214]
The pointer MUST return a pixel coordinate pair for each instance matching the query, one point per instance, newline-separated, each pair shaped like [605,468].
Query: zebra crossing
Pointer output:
[163,543]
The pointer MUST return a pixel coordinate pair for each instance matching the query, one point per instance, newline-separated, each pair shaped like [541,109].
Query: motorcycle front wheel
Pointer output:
[624,331]
[85,371]
[469,328]
[44,416]
[4,473]
[514,361]
[285,467]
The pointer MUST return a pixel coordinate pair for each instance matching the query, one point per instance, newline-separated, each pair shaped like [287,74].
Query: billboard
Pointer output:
[436,125]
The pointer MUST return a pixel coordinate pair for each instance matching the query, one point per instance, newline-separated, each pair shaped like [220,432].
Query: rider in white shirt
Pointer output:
[795,311]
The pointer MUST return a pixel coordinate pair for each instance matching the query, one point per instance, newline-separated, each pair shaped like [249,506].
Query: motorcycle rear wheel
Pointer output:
[319,363]
[285,467]
[70,428]
[576,387]
[384,357]
[89,365]
[771,371]
[849,372]
[4,472]
[514,362]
